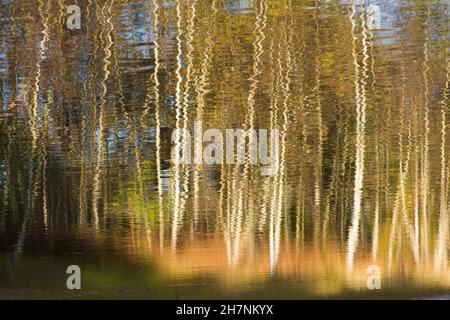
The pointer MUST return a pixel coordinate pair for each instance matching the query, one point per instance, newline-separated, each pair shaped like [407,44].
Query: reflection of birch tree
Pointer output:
[361,105]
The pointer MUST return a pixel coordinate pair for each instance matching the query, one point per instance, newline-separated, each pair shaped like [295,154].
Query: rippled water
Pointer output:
[359,92]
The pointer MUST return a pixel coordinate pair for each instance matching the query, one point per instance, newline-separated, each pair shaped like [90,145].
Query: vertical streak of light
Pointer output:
[107,42]
[319,155]
[187,87]
[425,157]
[281,172]
[416,200]
[83,178]
[278,178]
[267,186]
[360,92]
[43,48]
[300,226]
[179,180]
[408,224]
[258,50]
[400,205]
[441,255]
[260,24]
[223,171]
[375,234]
[158,121]
[44,138]
[273,205]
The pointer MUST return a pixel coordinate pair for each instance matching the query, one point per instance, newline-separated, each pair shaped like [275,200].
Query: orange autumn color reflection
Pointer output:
[358,91]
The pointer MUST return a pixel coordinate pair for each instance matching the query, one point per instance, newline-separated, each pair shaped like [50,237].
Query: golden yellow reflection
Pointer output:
[361,178]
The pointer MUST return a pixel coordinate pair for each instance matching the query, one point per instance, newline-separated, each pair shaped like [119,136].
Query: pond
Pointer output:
[357,93]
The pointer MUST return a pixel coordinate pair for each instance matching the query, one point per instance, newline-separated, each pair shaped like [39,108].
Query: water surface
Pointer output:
[359,92]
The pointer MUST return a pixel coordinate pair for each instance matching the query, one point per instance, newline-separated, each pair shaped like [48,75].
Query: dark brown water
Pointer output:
[358,91]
